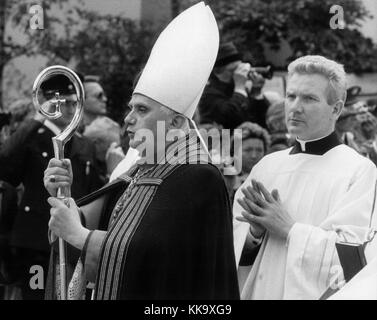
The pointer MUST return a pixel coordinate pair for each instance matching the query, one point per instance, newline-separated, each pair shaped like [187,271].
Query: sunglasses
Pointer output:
[100,96]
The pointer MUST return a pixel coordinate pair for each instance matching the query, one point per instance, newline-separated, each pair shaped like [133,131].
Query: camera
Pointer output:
[5,118]
[265,72]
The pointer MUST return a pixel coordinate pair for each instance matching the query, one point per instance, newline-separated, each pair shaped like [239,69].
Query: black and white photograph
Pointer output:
[187,155]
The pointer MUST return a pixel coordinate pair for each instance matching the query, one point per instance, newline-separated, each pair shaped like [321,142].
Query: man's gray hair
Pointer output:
[330,69]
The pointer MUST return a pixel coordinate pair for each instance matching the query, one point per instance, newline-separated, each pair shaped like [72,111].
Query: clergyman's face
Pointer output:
[144,114]
[307,113]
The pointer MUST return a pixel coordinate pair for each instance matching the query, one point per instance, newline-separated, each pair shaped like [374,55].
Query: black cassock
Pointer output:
[181,246]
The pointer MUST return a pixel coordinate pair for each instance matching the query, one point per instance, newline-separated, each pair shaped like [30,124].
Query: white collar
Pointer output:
[303,142]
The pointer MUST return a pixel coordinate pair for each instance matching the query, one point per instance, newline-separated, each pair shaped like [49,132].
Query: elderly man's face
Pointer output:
[307,113]
[95,101]
[144,114]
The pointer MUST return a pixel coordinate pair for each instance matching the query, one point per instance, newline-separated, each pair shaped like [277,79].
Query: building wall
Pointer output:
[369,27]
[156,12]
[127,8]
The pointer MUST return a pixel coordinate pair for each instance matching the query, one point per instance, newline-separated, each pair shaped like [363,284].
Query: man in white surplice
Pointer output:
[298,202]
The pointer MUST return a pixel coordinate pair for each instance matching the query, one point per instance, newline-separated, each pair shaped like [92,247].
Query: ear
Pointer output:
[177,121]
[217,71]
[337,108]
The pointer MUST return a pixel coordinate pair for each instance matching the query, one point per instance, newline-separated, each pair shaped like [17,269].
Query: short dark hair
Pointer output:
[92,78]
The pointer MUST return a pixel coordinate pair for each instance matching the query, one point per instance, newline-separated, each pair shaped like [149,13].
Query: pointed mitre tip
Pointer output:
[181,60]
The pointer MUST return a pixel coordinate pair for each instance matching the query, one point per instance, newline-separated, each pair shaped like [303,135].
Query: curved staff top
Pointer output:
[60,140]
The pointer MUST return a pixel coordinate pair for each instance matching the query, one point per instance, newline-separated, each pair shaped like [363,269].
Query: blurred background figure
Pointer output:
[217,145]
[234,92]
[280,142]
[255,145]
[5,119]
[8,210]
[21,110]
[214,145]
[105,134]
[95,100]
[276,125]
[23,158]
[357,126]
[10,196]
[259,101]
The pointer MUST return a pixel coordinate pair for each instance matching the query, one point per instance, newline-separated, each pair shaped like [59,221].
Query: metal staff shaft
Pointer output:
[59,142]
[63,195]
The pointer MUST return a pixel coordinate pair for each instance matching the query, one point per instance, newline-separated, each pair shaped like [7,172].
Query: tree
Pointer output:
[111,47]
[15,14]
[115,48]
[304,24]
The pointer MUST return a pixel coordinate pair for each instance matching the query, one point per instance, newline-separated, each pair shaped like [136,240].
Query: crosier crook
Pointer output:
[59,142]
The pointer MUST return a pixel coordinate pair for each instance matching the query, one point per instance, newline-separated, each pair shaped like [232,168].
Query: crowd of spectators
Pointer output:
[233,99]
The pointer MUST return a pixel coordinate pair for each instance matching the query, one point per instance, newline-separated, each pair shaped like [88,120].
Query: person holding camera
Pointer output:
[227,98]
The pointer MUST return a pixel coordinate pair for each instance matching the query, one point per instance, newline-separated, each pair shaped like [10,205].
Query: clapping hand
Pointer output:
[264,211]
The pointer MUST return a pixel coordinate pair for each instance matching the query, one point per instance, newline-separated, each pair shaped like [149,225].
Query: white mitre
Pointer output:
[178,67]
[181,61]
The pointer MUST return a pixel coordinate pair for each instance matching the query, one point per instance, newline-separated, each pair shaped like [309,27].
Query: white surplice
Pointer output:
[330,197]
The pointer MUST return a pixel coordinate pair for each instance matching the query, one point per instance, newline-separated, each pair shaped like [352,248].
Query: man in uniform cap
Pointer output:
[165,231]
[105,134]
[23,159]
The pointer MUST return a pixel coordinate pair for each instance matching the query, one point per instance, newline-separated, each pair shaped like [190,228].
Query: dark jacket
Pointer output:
[8,210]
[220,104]
[23,159]
[183,246]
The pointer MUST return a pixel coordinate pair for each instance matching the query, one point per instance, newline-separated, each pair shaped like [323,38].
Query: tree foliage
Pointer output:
[15,15]
[304,24]
[115,48]
[111,47]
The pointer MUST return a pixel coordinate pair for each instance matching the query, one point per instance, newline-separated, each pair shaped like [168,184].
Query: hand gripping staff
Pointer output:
[60,140]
